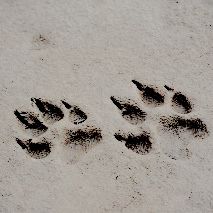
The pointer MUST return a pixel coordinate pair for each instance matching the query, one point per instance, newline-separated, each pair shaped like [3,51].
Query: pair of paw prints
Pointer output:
[179,123]
[37,126]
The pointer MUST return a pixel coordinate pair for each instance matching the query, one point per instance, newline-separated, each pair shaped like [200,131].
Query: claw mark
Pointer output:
[117,103]
[48,110]
[181,103]
[168,88]
[66,104]
[176,124]
[30,121]
[77,116]
[130,112]
[149,94]
[140,144]
[35,150]
[83,137]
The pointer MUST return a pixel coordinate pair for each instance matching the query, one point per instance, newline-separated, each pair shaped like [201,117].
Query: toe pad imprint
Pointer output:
[30,121]
[130,112]
[141,144]
[83,137]
[36,150]
[149,94]
[181,103]
[76,115]
[177,124]
[48,110]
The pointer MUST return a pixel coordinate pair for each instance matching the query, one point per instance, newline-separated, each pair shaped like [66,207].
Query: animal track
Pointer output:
[179,125]
[80,138]
[39,146]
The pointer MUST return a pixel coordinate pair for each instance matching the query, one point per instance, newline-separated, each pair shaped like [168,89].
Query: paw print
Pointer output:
[49,122]
[174,126]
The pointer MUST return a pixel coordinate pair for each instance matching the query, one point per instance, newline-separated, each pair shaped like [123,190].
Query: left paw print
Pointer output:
[42,127]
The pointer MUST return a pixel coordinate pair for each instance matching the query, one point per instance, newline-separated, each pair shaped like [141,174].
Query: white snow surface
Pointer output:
[84,52]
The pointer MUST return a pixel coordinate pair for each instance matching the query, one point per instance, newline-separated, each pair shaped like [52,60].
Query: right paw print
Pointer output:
[175,119]
[38,128]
